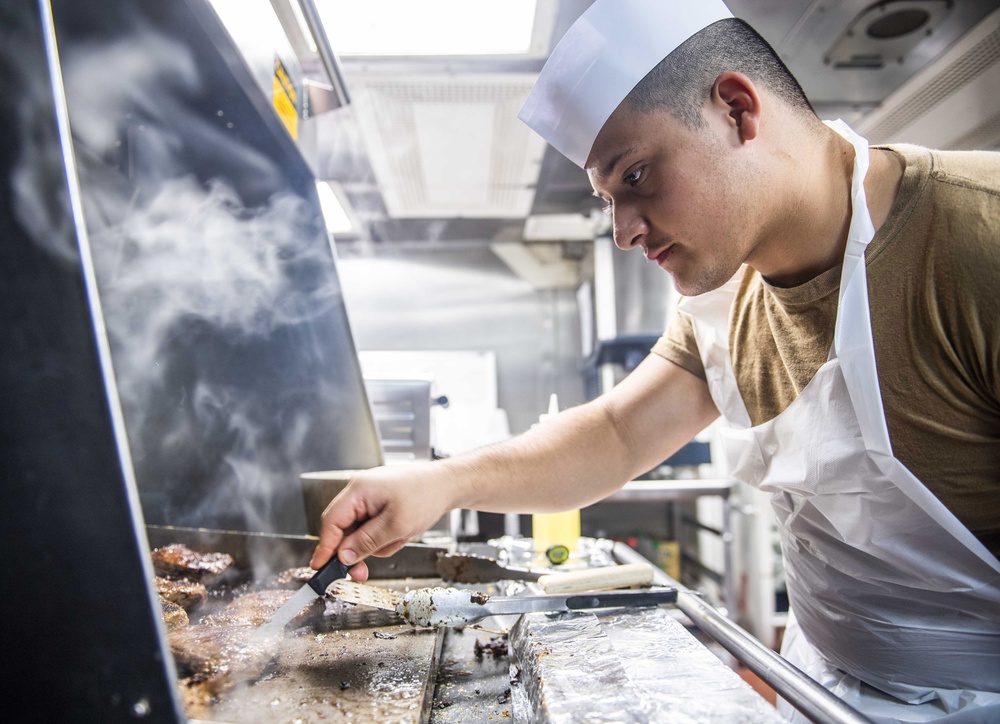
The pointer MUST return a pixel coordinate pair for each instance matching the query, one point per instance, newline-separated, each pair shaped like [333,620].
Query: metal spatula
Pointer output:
[313,589]
[459,607]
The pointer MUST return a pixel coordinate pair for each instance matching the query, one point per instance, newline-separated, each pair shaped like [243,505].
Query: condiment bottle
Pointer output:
[555,534]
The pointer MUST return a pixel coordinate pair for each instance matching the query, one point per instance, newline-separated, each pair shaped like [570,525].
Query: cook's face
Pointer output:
[672,193]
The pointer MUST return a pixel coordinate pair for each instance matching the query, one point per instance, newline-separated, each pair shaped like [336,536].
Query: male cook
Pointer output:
[841,313]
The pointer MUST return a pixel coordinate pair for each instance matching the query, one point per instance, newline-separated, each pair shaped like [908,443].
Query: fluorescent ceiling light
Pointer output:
[428,27]
[250,22]
[334,207]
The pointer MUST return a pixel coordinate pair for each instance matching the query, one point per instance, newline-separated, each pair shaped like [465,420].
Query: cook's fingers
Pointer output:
[360,572]
[330,536]
[372,536]
[340,517]
[323,553]
[386,551]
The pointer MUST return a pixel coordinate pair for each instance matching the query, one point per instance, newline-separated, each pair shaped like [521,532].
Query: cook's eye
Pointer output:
[632,178]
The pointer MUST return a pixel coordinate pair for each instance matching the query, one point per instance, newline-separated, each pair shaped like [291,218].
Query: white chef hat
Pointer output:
[600,59]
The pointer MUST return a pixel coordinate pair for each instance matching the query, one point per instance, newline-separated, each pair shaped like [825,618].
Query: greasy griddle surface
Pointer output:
[352,664]
[473,681]
[374,672]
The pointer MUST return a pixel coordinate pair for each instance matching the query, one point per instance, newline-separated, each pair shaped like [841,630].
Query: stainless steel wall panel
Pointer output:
[460,296]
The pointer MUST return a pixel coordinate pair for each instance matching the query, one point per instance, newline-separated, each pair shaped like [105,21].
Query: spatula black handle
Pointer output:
[623,598]
[330,572]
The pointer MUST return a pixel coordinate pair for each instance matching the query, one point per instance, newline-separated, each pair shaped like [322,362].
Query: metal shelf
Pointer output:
[674,490]
[670,490]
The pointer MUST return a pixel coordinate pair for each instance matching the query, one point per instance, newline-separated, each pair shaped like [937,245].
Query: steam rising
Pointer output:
[196,251]
[196,271]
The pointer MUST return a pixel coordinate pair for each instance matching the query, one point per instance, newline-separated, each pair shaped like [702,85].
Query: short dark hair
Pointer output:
[682,82]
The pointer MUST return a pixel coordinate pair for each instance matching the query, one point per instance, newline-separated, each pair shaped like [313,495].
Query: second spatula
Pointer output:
[459,607]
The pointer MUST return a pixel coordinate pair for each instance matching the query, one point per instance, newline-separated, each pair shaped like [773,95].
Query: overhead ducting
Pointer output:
[953,103]
[886,32]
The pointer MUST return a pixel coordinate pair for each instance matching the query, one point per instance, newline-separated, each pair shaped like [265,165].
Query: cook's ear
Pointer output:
[736,95]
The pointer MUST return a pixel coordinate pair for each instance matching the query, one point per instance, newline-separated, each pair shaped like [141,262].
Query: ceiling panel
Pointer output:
[449,145]
[413,160]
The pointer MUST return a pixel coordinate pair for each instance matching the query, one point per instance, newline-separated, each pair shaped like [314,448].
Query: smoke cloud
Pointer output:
[199,272]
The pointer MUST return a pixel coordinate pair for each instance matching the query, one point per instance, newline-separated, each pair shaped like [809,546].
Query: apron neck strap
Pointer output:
[862,229]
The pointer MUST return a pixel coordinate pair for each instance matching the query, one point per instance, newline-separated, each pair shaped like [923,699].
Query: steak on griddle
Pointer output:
[293,578]
[174,616]
[186,594]
[178,561]
[199,692]
[239,652]
[257,607]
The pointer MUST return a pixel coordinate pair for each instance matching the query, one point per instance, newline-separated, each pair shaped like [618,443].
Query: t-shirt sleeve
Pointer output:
[678,344]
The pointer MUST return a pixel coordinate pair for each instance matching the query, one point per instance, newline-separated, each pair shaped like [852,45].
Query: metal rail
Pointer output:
[325,51]
[802,692]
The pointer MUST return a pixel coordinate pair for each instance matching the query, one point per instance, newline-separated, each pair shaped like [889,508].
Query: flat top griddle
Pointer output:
[366,668]
[353,663]
[362,664]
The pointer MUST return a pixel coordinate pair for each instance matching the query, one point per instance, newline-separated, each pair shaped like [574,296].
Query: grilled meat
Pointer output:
[178,561]
[174,616]
[236,651]
[200,691]
[186,594]
[257,607]
[293,578]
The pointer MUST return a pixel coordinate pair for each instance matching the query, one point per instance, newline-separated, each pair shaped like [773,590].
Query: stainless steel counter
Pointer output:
[639,665]
[809,697]
[625,666]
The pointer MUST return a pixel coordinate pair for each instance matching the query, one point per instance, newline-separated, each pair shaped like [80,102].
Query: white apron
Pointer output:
[897,604]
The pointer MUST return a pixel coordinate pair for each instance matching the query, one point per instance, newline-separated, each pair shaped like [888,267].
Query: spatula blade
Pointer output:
[315,587]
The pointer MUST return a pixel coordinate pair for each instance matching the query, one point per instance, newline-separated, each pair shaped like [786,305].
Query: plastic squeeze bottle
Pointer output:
[556,535]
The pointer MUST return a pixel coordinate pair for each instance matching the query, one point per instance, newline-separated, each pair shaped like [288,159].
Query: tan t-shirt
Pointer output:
[934,293]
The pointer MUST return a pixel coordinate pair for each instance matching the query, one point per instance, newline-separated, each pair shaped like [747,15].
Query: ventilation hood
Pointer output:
[952,103]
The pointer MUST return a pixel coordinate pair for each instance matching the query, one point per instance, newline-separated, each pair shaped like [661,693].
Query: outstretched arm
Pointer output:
[573,459]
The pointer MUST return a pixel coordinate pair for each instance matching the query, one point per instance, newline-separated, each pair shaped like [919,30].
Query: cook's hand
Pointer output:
[378,512]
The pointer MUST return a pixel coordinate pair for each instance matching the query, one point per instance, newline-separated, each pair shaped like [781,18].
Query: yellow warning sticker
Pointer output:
[285,99]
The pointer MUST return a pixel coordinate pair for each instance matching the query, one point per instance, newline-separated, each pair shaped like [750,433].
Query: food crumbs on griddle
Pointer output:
[345,685]
[479,597]
[504,697]
[495,647]
[383,635]
[442,705]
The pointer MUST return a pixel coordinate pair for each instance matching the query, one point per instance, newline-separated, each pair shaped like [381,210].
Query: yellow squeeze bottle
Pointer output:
[555,529]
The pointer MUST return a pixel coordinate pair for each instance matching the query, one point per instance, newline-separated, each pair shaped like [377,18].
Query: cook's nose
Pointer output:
[630,227]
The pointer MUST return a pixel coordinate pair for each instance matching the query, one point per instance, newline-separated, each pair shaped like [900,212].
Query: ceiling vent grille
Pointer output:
[451,145]
[950,100]
[985,137]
